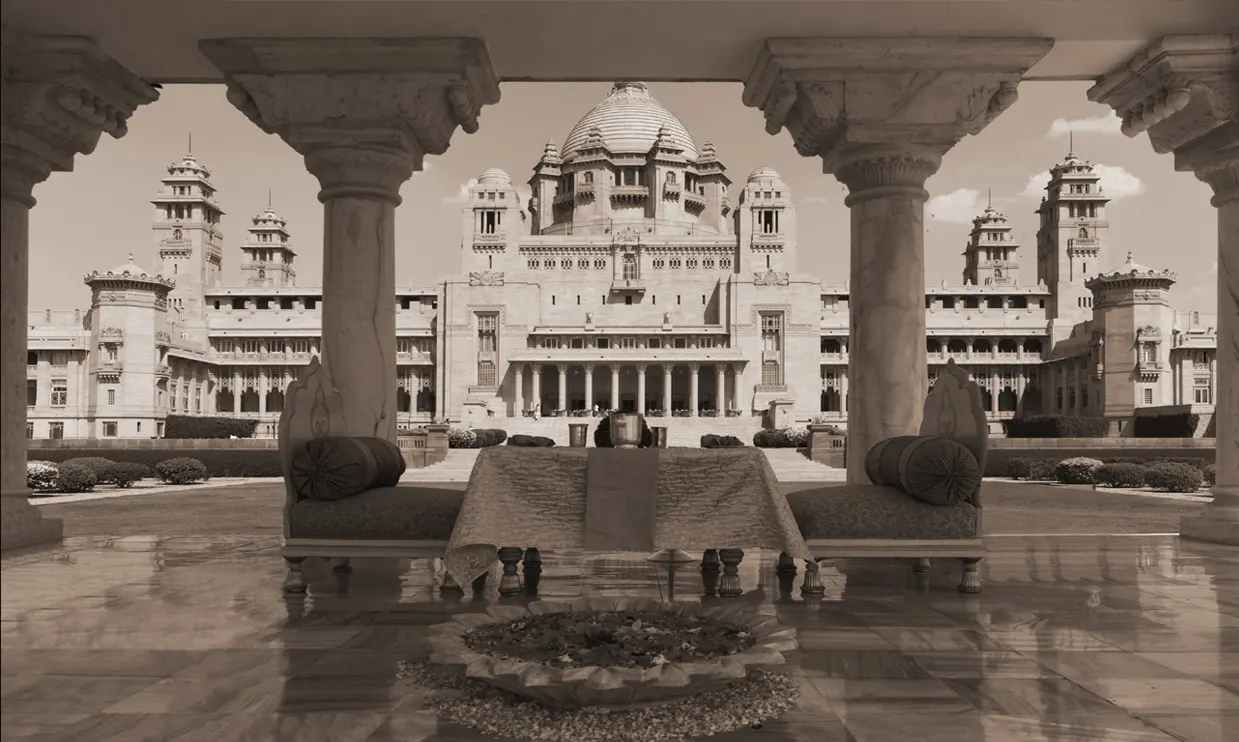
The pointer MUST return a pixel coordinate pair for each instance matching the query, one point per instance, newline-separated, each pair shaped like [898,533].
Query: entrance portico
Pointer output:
[363,112]
[651,386]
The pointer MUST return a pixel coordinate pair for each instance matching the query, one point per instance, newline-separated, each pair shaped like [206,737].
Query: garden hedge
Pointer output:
[186,426]
[998,460]
[220,462]
[1056,426]
[1178,425]
[794,437]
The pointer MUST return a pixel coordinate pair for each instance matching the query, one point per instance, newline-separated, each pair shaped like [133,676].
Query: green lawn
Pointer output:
[1010,507]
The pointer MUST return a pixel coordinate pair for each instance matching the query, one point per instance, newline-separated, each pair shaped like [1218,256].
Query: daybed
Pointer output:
[403,521]
[876,521]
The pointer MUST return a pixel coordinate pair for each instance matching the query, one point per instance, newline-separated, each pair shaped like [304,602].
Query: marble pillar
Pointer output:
[536,391]
[881,113]
[363,113]
[561,374]
[641,369]
[589,386]
[887,363]
[1184,92]
[518,385]
[58,95]
[667,369]
[720,389]
[1218,521]
[694,383]
[615,386]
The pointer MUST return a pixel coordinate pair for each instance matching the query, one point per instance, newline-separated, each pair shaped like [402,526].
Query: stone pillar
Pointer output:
[518,394]
[363,122]
[561,399]
[641,368]
[667,369]
[536,391]
[881,113]
[589,386]
[615,386]
[993,390]
[58,96]
[720,386]
[694,382]
[262,390]
[237,389]
[1184,91]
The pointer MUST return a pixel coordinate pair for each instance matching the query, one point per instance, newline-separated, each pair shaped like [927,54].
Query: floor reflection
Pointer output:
[1074,638]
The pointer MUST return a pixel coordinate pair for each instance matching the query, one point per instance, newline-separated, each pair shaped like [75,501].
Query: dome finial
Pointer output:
[130,257]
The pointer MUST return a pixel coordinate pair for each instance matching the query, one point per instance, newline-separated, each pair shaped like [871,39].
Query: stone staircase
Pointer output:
[789,465]
[681,431]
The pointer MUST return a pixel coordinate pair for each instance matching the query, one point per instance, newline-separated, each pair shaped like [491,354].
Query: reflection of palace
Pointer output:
[631,279]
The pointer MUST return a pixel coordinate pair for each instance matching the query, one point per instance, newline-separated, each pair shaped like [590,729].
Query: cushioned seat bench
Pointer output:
[868,520]
[400,513]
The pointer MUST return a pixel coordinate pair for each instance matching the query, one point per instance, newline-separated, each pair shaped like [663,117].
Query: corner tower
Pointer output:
[188,236]
[1071,241]
[990,256]
[766,220]
[1133,314]
[267,252]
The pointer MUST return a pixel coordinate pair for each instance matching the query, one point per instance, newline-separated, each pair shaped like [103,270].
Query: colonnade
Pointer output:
[534,372]
[880,113]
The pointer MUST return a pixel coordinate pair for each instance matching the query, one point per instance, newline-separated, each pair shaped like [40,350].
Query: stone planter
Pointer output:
[578,434]
[660,435]
[575,687]
[625,429]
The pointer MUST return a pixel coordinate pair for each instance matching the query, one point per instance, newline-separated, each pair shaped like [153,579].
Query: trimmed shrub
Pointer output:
[41,476]
[1031,469]
[1173,478]
[462,438]
[186,426]
[1121,474]
[1209,474]
[797,436]
[123,474]
[1178,425]
[793,437]
[1195,463]
[1077,470]
[71,477]
[220,462]
[487,437]
[181,470]
[602,434]
[1056,426]
[98,464]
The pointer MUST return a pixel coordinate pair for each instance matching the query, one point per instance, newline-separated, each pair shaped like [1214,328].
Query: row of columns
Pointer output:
[720,382]
[879,113]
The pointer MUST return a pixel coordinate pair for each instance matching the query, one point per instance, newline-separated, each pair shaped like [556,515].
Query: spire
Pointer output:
[268,199]
[1071,143]
[190,148]
[989,198]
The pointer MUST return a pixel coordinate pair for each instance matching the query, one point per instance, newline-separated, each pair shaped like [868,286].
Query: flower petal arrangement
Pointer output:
[611,651]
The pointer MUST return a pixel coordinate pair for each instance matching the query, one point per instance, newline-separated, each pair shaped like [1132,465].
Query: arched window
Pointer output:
[588,176]
[176,234]
[1084,233]
[671,176]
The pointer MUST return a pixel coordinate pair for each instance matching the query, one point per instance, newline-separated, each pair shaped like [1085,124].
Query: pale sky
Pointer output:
[92,218]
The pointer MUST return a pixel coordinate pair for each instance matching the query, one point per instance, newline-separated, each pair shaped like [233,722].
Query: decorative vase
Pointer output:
[625,429]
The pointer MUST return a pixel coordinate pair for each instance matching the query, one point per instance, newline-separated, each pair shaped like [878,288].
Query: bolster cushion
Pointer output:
[937,470]
[337,467]
[400,513]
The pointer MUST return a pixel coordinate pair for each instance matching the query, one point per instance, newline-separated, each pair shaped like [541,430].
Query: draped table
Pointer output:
[537,497]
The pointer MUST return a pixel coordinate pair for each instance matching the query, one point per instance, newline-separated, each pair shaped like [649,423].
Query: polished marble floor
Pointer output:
[1075,638]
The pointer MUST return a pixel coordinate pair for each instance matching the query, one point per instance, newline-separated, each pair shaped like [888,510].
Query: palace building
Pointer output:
[635,276]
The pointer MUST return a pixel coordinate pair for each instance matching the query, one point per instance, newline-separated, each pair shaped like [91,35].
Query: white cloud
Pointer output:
[462,195]
[1116,183]
[1106,123]
[814,200]
[957,207]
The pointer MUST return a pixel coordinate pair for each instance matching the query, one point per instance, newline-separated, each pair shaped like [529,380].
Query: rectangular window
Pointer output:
[1202,390]
[56,430]
[488,349]
[1148,395]
[110,428]
[60,392]
[159,430]
[32,392]
[772,347]
[249,345]
[111,396]
[300,345]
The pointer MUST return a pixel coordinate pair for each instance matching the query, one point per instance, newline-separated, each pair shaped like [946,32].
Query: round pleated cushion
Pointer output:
[938,470]
[337,467]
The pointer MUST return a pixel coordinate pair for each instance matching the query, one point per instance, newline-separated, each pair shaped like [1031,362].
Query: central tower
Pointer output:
[188,236]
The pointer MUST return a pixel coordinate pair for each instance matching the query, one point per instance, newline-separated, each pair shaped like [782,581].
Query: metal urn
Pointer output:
[625,429]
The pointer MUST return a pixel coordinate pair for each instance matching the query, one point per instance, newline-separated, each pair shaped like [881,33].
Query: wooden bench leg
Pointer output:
[532,568]
[970,581]
[710,566]
[729,584]
[510,582]
[294,581]
[342,566]
[812,584]
[479,582]
[448,585]
[922,565]
[786,566]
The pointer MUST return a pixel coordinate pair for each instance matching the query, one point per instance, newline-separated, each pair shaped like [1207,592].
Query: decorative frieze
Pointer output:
[486,278]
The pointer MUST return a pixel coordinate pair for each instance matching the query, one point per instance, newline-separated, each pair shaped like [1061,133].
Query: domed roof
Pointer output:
[764,173]
[494,176]
[129,267]
[130,271]
[628,121]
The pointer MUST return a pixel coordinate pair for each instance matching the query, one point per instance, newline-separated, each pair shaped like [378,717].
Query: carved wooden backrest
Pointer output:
[312,409]
[953,410]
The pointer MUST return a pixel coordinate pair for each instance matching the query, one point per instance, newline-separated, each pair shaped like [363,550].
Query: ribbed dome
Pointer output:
[764,173]
[494,176]
[628,120]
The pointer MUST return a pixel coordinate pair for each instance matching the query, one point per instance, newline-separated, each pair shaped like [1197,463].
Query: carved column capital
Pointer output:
[58,94]
[872,170]
[360,171]
[390,102]
[831,94]
[1184,91]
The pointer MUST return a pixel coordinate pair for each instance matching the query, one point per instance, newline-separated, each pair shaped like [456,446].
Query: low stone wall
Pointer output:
[827,448]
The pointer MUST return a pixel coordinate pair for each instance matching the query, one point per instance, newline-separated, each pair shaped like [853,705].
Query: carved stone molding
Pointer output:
[486,278]
[771,278]
[404,96]
[866,167]
[58,94]
[834,93]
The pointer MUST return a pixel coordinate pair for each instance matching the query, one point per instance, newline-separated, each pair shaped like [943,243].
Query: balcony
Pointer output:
[672,190]
[111,367]
[694,201]
[629,194]
[627,285]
